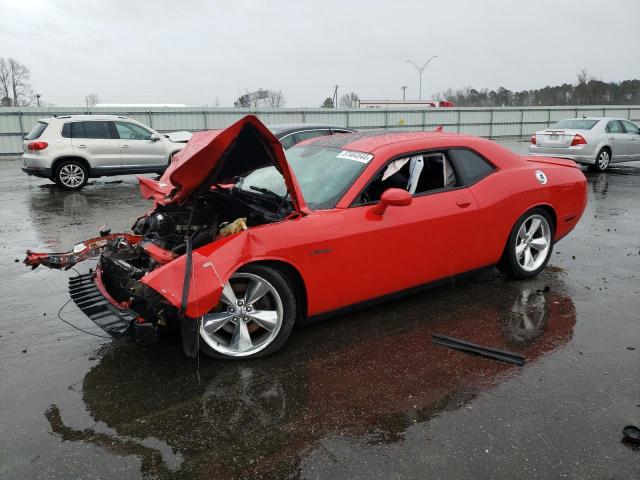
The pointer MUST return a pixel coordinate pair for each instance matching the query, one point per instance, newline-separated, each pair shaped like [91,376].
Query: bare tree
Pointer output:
[260,98]
[15,84]
[348,100]
[92,99]
[274,99]
[583,76]
[5,82]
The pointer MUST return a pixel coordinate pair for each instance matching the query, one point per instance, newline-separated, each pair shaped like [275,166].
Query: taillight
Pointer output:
[578,140]
[37,145]
[533,139]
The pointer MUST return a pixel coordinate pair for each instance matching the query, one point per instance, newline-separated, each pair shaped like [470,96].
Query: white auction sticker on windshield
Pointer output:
[356,156]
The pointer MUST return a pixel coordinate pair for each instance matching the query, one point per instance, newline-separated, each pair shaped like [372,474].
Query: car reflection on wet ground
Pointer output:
[364,395]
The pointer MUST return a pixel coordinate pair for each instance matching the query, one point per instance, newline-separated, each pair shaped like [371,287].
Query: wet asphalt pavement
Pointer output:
[365,395]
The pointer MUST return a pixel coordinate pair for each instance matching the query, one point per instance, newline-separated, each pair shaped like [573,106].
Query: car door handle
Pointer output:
[463,203]
[82,146]
[125,146]
[612,138]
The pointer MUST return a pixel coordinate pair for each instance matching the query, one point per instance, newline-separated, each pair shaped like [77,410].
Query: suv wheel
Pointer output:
[71,175]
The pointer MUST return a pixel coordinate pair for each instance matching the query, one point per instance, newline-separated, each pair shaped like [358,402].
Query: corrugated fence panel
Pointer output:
[9,124]
[10,144]
[367,118]
[540,116]
[477,130]
[440,116]
[337,118]
[218,120]
[178,121]
[475,117]
[487,122]
[275,117]
[404,119]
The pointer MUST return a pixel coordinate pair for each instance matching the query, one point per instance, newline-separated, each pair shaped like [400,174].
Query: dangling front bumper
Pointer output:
[88,293]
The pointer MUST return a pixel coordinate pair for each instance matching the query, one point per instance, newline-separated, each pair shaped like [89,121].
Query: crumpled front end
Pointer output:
[173,267]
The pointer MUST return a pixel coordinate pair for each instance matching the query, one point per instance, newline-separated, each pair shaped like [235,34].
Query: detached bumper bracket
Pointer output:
[85,294]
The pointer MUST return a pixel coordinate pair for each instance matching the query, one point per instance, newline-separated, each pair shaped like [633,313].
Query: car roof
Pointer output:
[372,140]
[593,118]
[280,128]
[86,117]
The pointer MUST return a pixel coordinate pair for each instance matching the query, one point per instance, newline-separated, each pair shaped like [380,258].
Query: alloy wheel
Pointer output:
[247,319]
[603,160]
[533,243]
[71,175]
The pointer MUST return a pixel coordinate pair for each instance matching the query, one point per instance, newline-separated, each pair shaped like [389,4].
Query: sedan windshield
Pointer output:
[324,174]
[575,124]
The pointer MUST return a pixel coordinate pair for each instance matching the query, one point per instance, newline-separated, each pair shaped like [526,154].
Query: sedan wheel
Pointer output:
[602,160]
[254,317]
[529,246]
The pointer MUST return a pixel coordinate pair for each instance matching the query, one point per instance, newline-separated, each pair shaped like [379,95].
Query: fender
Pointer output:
[210,271]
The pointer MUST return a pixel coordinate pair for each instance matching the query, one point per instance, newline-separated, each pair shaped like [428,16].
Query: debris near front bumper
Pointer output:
[82,251]
[88,297]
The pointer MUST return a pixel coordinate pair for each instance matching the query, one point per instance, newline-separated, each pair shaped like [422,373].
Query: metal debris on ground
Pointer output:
[465,346]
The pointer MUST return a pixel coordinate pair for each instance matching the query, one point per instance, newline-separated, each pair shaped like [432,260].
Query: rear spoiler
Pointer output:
[553,161]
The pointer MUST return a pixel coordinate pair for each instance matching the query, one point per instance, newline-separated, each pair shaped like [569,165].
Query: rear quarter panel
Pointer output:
[508,193]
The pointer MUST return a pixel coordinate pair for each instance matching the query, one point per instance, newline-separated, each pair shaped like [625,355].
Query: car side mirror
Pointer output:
[154,137]
[392,197]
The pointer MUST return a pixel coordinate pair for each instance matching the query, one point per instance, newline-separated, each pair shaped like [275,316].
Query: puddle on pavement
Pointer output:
[371,375]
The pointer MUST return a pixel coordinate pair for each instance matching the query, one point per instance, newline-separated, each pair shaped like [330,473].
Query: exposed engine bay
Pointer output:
[161,237]
[206,216]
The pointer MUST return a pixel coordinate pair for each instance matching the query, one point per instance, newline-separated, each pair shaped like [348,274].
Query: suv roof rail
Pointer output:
[62,116]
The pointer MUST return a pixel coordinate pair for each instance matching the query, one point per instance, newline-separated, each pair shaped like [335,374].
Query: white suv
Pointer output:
[69,149]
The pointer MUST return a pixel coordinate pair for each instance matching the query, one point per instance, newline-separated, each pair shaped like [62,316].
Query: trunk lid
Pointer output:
[214,156]
[552,138]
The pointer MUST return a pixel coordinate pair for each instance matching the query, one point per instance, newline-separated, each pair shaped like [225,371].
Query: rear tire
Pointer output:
[71,175]
[603,160]
[241,327]
[529,245]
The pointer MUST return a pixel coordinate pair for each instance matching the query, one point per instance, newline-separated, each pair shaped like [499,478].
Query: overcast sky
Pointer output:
[195,52]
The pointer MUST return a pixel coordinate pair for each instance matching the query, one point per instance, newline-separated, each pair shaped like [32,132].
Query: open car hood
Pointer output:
[217,156]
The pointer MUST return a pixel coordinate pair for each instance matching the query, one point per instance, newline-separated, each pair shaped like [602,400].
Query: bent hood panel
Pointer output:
[208,158]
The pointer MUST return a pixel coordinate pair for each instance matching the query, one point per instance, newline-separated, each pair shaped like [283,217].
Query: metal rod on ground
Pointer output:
[465,346]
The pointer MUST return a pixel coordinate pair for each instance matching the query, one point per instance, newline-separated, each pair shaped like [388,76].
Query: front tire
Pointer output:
[71,175]
[603,159]
[529,245]
[254,318]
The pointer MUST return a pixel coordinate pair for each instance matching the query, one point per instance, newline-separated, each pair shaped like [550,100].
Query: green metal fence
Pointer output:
[484,122]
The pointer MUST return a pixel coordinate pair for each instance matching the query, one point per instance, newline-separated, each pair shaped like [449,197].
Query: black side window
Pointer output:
[36,131]
[301,136]
[66,130]
[418,174]
[90,130]
[470,166]
[614,127]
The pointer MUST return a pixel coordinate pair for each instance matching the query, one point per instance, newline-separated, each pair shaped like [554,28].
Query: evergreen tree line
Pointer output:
[588,91]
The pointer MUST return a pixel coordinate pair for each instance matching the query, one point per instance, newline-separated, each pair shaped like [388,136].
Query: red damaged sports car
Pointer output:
[243,242]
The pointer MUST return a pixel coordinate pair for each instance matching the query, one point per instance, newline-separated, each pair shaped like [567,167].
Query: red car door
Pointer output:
[407,246]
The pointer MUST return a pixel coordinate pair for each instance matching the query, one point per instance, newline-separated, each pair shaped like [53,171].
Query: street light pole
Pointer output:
[420,70]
